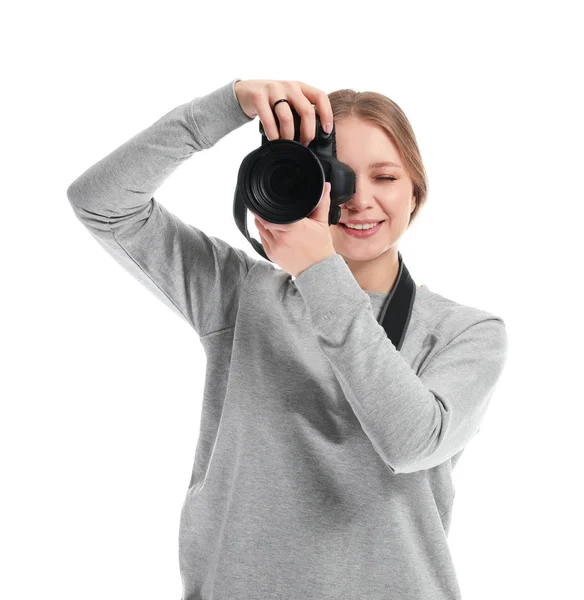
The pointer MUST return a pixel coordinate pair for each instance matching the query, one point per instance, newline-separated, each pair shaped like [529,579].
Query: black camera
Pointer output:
[282,181]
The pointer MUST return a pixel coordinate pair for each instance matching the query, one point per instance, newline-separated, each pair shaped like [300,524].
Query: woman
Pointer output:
[324,459]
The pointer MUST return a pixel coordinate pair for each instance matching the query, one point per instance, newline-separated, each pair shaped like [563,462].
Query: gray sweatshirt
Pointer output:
[323,468]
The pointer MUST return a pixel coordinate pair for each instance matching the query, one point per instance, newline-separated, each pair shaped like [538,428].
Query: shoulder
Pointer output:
[448,318]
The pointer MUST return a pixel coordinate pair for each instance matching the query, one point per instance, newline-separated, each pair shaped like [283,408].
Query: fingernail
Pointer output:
[328,127]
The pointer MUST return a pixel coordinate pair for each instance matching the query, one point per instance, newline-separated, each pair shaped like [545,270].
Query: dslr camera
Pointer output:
[283,181]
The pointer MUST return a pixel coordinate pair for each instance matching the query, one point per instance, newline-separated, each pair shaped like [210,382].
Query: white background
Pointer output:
[102,384]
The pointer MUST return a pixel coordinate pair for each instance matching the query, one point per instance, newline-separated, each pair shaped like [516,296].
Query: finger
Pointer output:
[263,229]
[275,226]
[282,110]
[265,236]
[267,115]
[307,115]
[321,212]
[320,99]
[267,118]
[259,220]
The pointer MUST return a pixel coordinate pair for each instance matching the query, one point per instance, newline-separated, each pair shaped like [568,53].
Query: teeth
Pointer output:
[367,226]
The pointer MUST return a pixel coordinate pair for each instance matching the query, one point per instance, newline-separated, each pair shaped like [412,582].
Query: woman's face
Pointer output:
[359,144]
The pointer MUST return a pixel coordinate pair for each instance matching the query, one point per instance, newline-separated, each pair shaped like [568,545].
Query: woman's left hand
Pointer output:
[297,246]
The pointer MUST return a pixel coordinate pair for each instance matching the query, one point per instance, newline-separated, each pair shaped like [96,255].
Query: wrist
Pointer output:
[237,91]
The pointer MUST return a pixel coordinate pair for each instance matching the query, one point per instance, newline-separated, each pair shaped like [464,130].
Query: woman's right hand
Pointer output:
[257,96]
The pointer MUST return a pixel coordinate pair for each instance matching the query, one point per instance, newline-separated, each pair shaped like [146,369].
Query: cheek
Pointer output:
[397,209]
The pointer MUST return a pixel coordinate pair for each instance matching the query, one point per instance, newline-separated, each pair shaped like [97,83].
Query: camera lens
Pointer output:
[285,182]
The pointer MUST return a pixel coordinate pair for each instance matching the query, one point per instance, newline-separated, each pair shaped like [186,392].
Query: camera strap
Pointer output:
[397,308]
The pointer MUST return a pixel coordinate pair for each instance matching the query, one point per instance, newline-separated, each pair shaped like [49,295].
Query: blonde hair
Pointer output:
[380,110]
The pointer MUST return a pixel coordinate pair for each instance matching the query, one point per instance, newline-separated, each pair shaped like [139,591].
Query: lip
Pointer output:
[361,221]
[360,233]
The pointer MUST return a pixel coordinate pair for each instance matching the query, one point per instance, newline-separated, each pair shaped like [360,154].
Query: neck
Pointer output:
[377,275]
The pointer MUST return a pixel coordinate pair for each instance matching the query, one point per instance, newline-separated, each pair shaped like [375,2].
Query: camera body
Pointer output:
[283,181]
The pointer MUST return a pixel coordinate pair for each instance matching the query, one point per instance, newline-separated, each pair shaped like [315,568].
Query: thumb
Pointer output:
[321,212]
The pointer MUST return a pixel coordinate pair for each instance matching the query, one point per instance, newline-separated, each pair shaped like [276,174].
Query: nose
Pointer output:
[361,199]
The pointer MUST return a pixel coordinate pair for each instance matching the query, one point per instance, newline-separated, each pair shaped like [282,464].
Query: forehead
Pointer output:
[364,143]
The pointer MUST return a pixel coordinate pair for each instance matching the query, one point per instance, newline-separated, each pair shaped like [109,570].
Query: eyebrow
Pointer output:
[386,163]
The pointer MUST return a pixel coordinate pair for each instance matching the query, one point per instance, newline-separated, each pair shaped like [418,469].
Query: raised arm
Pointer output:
[196,275]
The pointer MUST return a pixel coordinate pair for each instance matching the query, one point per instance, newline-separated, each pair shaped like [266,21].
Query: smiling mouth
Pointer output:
[357,229]
[361,233]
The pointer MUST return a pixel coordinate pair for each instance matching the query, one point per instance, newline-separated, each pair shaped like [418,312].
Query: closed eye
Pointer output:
[391,178]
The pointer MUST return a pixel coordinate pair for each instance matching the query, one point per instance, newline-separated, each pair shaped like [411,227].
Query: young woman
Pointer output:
[323,467]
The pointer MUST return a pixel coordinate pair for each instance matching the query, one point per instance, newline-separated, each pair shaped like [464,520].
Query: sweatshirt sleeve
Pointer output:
[415,422]
[198,276]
